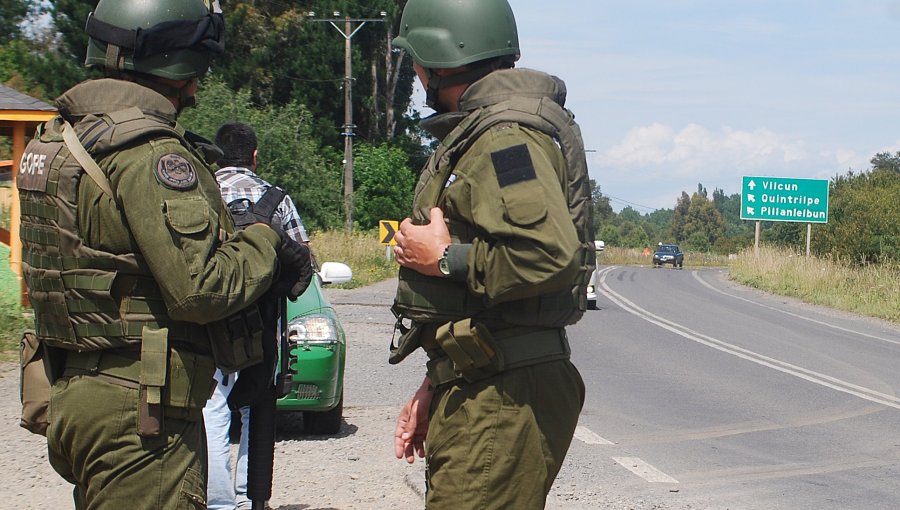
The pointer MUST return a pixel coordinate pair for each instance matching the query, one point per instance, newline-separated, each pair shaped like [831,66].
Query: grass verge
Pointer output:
[872,290]
[361,251]
[13,319]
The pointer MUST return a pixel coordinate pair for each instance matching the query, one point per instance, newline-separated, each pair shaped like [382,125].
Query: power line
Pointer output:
[348,31]
[633,204]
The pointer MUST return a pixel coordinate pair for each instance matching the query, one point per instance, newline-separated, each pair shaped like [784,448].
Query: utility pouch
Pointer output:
[154,361]
[471,348]
[237,340]
[35,379]
[190,385]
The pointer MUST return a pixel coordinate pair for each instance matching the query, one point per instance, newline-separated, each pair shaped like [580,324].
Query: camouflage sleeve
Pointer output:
[526,243]
[170,200]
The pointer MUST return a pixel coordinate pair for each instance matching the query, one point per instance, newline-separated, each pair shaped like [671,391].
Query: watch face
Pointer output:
[444,266]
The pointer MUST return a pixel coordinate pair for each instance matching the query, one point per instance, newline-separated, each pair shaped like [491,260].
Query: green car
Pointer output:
[318,348]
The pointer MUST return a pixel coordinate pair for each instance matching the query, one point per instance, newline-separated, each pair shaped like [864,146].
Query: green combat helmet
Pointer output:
[439,35]
[174,39]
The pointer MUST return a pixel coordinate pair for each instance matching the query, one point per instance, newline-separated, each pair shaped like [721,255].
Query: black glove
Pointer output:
[295,268]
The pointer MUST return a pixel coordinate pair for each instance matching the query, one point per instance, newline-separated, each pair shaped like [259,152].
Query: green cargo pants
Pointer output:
[500,442]
[93,443]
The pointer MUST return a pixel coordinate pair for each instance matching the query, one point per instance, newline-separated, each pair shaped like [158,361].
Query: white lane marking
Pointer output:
[644,470]
[797,371]
[586,435]
[792,314]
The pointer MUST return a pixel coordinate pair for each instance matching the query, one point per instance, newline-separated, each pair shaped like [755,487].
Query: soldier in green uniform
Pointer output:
[140,285]
[494,262]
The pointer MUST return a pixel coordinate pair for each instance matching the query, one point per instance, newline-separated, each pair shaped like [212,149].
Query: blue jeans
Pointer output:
[221,492]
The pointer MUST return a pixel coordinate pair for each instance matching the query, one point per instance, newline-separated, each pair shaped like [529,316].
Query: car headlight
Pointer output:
[309,330]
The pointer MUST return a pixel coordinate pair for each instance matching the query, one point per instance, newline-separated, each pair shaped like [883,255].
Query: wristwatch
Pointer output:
[443,263]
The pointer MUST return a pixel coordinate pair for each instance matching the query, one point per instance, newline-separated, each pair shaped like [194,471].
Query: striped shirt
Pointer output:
[241,183]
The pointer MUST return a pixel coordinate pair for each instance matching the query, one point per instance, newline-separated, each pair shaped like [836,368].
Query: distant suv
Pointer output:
[668,254]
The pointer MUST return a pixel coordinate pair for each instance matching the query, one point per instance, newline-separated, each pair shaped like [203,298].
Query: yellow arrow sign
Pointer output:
[386,231]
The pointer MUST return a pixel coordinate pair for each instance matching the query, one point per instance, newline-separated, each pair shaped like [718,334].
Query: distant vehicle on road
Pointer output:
[599,246]
[668,254]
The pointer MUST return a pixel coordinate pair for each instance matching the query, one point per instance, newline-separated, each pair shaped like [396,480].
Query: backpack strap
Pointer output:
[269,202]
[85,160]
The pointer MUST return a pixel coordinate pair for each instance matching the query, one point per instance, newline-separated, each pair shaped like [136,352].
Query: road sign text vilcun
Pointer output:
[784,199]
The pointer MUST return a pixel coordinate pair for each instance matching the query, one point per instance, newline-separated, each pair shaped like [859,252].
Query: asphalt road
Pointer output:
[705,394]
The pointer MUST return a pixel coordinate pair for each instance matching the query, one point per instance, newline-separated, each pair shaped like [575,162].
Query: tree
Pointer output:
[288,154]
[863,211]
[69,18]
[42,74]
[703,225]
[603,211]
[12,12]
[884,161]
[281,54]
[680,217]
[383,185]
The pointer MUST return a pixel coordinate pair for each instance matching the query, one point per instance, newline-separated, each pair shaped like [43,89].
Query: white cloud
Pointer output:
[697,151]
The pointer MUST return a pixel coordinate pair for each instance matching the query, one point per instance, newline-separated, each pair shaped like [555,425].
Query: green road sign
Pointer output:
[784,199]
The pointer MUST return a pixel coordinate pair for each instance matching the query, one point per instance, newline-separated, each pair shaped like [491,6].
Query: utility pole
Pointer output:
[347,32]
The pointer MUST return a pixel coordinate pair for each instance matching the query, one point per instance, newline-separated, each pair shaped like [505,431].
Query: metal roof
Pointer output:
[14,100]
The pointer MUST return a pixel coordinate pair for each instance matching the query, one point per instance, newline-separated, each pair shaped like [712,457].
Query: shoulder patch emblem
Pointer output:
[175,172]
[513,165]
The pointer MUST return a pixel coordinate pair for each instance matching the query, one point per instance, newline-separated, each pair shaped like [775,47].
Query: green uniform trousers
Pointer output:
[500,442]
[93,443]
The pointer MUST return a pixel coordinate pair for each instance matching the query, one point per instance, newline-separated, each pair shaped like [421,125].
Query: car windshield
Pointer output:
[666,249]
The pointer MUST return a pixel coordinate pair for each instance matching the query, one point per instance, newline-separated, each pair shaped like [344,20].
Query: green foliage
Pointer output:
[288,153]
[703,225]
[680,217]
[383,185]
[12,12]
[282,55]
[13,319]
[36,72]
[862,224]
[69,18]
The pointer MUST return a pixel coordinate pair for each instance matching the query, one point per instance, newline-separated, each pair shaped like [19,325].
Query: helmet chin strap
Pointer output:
[475,72]
[181,94]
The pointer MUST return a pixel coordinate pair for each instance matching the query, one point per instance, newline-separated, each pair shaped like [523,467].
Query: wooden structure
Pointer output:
[19,116]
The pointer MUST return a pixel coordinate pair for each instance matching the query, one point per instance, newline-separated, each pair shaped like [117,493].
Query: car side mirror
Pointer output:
[335,272]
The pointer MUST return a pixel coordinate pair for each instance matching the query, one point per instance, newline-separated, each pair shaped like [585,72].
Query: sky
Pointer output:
[670,94]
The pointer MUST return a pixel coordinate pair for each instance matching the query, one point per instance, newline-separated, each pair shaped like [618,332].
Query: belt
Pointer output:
[121,367]
[516,351]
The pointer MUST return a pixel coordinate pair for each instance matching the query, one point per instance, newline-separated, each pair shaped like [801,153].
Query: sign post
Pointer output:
[784,199]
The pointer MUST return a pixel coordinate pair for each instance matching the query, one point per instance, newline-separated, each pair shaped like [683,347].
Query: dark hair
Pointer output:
[238,141]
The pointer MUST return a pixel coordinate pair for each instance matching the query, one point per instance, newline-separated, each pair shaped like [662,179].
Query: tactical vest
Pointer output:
[73,287]
[425,299]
